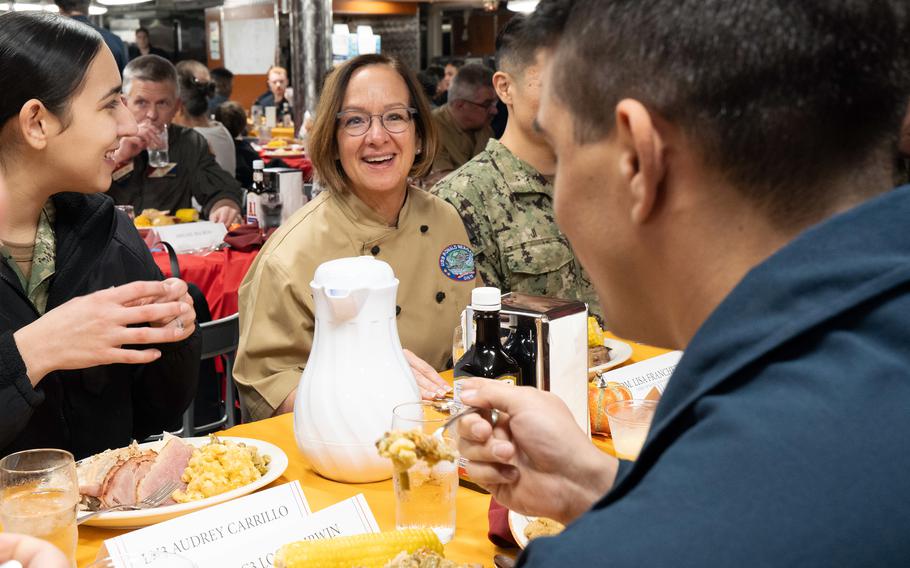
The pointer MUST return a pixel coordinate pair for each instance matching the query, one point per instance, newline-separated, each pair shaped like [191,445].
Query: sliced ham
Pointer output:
[169,466]
[93,470]
[119,487]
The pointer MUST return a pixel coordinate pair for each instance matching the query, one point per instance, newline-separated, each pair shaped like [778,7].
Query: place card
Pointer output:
[189,237]
[646,377]
[245,532]
[217,535]
[349,517]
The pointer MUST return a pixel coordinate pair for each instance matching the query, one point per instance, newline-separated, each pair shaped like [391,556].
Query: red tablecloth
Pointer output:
[301,163]
[217,274]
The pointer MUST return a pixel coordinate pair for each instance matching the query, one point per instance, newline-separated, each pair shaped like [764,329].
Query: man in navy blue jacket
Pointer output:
[724,175]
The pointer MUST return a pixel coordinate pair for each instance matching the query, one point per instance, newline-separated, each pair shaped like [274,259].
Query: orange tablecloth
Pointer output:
[218,274]
[469,545]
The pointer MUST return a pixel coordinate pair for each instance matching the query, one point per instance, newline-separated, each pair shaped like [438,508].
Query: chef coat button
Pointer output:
[424,228]
[375,250]
[397,310]
[440,296]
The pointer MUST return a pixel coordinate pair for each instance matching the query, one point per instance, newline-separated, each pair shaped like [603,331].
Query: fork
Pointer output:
[494,416]
[152,500]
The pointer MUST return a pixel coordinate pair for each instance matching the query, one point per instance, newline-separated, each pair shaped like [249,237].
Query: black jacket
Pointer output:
[196,174]
[89,410]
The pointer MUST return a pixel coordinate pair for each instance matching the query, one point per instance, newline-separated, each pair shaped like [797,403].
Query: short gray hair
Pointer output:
[470,78]
[151,68]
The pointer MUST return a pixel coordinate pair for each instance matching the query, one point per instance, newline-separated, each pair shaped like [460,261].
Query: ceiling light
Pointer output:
[122,2]
[96,10]
[523,6]
[27,7]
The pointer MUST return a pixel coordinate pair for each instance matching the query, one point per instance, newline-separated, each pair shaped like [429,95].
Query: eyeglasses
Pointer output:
[486,105]
[395,121]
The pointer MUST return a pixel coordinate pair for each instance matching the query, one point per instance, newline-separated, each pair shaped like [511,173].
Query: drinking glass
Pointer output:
[158,153]
[256,116]
[428,499]
[128,209]
[39,491]
[630,421]
[457,344]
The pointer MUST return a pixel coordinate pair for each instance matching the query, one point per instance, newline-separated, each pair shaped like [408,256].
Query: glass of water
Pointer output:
[427,500]
[38,496]
[158,153]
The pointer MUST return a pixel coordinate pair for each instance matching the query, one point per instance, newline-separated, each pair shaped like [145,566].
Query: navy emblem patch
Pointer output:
[457,262]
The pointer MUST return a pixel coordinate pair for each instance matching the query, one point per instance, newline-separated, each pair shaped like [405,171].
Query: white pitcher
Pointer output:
[356,373]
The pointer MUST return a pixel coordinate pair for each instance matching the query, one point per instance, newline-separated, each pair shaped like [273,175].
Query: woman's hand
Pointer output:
[431,385]
[177,292]
[30,552]
[91,330]
[535,449]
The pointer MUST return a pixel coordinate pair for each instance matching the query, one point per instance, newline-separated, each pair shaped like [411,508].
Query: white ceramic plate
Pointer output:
[619,354]
[136,519]
[517,524]
[284,153]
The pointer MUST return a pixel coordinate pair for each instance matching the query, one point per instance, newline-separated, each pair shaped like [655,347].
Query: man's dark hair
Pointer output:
[519,41]
[54,52]
[436,71]
[781,97]
[233,117]
[142,30]
[70,6]
[222,78]
[428,81]
[470,78]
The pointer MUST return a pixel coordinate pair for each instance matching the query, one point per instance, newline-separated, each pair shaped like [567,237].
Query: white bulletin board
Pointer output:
[249,45]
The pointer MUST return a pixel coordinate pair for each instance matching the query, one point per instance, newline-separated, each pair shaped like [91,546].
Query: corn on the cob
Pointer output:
[362,550]
[595,333]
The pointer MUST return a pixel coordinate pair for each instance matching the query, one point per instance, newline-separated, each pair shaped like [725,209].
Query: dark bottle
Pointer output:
[521,345]
[486,358]
[254,195]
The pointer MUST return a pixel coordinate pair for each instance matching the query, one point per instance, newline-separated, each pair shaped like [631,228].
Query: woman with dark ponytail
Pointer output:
[195,88]
[95,349]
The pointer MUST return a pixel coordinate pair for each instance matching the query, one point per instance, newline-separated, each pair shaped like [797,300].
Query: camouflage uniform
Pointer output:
[43,260]
[507,209]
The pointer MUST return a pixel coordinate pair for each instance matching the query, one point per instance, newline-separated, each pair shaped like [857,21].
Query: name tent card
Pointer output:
[245,532]
[189,237]
[643,377]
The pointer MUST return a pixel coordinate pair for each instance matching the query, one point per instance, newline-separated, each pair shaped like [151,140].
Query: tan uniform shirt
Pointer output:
[456,146]
[276,303]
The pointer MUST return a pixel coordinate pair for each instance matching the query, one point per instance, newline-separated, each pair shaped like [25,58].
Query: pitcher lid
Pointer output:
[353,273]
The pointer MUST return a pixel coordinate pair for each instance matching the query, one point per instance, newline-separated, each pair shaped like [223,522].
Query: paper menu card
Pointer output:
[646,376]
[244,532]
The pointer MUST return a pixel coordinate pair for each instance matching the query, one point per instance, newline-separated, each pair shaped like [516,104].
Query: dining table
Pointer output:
[470,543]
[218,274]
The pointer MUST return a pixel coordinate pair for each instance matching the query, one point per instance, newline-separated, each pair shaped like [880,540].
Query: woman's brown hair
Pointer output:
[323,143]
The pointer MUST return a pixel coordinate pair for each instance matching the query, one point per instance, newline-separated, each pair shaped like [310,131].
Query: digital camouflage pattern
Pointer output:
[507,209]
[43,260]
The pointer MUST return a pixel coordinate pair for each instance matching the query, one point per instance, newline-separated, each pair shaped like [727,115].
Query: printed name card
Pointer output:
[349,517]
[243,533]
[188,237]
[646,376]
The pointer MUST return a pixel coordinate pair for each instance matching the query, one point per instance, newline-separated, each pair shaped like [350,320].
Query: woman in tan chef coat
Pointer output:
[373,130]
